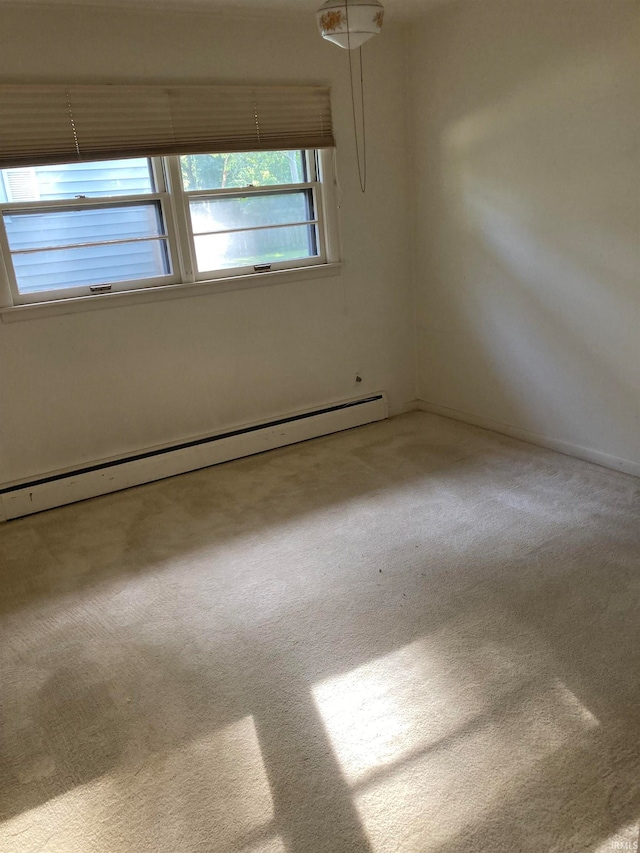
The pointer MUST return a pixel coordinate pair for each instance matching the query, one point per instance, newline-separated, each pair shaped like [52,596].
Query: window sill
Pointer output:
[121,299]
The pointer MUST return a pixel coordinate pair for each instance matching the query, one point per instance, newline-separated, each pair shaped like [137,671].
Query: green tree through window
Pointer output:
[256,168]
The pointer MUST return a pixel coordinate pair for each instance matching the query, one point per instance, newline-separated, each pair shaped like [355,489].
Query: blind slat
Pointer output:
[62,124]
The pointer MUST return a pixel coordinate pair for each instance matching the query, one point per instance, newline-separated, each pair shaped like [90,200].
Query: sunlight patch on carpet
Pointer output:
[218,780]
[431,736]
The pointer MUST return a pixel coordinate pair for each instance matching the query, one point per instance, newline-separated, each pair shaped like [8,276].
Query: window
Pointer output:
[88,228]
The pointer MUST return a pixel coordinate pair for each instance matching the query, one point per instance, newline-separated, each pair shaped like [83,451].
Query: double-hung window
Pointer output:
[258,211]
[96,226]
[81,229]
[84,228]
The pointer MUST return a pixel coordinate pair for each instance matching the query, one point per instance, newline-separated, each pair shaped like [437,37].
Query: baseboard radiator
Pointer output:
[69,486]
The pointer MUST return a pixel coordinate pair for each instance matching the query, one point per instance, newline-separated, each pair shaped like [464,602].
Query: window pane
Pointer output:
[39,266]
[221,214]
[93,180]
[247,248]
[42,230]
[243,169]
[56,270]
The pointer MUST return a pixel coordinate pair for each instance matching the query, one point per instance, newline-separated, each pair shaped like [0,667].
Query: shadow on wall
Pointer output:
[533,305]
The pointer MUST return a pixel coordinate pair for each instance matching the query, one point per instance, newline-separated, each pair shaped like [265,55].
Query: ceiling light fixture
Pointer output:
[350,24]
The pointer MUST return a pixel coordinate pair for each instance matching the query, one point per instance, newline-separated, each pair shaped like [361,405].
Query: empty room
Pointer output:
[319,426]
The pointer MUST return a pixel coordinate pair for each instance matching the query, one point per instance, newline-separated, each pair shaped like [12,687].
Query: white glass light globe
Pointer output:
[364,18]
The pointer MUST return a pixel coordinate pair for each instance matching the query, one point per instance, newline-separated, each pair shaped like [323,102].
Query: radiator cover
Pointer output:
[64,487]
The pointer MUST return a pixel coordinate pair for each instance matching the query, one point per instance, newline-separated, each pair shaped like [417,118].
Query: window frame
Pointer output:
[160,196]
[173,201]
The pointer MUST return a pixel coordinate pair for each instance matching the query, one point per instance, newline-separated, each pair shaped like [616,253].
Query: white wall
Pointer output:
[81,387]
[524,120]
[527,223]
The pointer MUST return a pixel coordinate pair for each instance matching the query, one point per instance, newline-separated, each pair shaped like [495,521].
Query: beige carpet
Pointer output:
[413,637]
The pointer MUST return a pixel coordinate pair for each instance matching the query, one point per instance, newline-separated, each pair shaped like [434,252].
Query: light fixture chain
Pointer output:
[364,128]
[362,166]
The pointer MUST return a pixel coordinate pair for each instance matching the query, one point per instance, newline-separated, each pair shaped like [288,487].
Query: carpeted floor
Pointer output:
[413,637]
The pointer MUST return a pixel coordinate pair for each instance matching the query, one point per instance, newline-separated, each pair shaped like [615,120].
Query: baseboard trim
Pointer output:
[627,466]
[111,475]
[403,408]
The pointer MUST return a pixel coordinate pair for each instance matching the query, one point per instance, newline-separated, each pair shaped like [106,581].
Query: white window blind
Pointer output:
[45,124]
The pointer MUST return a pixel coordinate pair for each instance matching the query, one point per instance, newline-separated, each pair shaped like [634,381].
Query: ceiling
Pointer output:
[396,9]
